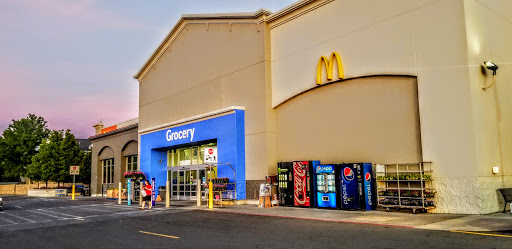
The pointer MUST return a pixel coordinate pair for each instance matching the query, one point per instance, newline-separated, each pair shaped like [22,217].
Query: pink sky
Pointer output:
[72,62]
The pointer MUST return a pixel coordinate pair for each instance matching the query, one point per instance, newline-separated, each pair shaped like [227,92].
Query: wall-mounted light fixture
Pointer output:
[491,66]
[160,162]
[495,170]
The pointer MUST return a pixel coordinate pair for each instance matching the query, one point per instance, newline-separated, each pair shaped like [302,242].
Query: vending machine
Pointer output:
[356,189]
[285,183]
[304,183]
[368,187]
[325,186]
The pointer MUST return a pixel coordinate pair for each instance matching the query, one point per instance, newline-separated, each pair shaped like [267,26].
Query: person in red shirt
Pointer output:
[147,188]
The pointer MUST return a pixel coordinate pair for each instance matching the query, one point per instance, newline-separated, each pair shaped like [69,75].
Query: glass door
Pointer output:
[183,183]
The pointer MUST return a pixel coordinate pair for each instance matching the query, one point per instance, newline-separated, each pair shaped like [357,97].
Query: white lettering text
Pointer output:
[170,136]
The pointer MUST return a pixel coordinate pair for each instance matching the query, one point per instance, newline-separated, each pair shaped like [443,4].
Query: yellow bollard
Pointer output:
[73,193]
[210,195]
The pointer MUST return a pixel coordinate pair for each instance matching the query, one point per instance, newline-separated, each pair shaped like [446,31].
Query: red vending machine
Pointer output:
[304,183]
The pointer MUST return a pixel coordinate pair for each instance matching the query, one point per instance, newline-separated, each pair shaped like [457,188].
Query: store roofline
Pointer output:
[288,9]
[193,118]
[164,44]
[268,17]
[124,128]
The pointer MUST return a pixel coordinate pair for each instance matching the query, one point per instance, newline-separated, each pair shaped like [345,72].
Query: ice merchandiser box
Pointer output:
[285,182]
[356,188]
[325,186]
[304,183]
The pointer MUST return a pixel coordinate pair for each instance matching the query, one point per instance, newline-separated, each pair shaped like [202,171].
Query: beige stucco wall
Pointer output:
[443,43]
[209,67]
[372,119]
[489,37]
[115,146]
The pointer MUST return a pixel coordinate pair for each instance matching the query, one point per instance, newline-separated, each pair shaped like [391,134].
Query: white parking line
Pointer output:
[19,217]
[12,222]
[33,211]
[93,209]
[119,207]
[124,213]
[45,210]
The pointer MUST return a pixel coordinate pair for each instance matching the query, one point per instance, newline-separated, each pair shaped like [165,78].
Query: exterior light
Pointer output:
[495,170]
[491,66]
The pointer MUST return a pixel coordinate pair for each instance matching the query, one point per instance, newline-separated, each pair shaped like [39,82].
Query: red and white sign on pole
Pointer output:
[210,155]
[74,170]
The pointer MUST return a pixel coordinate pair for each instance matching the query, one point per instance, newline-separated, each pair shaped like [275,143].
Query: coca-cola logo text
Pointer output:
[299,183]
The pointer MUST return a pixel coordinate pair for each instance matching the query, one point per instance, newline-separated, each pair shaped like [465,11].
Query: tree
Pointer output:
[19,143]
[55,156]
[45,163]
[85,168]
[69,155]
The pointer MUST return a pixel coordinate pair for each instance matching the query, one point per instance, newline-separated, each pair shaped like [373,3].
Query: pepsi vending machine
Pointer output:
[285,180]
[325,186]
[304,183]
[356,190]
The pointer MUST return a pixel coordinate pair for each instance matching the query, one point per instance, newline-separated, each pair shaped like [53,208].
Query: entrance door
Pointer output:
[183,182]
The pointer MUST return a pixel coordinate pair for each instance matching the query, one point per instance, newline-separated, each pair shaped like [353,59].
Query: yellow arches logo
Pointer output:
[329,65]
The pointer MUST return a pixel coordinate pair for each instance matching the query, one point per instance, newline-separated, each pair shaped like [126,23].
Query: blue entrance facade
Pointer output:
[229,132]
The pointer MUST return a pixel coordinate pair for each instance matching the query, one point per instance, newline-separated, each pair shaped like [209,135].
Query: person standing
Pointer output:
[147,189]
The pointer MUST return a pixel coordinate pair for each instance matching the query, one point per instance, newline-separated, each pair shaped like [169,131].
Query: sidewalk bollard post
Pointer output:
[72,194]
[119,193]
[167,195]
[210,195]
[198,192]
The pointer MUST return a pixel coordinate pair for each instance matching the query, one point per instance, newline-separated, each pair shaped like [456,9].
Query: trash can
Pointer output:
[162,191]
[86,191]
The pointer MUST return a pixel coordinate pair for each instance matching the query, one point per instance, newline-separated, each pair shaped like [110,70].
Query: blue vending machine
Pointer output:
[369,197]
[356,189]
[325,186]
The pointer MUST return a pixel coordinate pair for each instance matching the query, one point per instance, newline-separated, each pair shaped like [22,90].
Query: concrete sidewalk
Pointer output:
[497,222]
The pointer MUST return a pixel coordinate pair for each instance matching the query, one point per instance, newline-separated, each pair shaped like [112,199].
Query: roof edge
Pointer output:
[289,9]
[193,118]
[155,55]
[124,128]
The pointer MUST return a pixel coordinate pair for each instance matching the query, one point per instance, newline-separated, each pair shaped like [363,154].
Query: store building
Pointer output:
[114,152]
[336,81]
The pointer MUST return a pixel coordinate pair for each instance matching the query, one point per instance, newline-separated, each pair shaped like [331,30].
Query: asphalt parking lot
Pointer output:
[98,223]
[22,212]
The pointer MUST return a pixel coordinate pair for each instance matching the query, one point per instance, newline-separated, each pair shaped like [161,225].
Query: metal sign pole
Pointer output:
[73,170]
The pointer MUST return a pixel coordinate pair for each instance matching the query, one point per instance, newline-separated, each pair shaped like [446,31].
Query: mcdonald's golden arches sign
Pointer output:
[329,66]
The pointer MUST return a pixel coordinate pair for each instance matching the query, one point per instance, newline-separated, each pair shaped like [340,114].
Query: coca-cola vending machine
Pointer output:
[304,183]
[285,180]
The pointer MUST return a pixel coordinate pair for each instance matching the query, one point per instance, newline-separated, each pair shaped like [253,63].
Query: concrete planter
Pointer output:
[47,192]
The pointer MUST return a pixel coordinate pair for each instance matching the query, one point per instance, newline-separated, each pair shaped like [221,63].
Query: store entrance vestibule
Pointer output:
[183,182]
[185,166]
